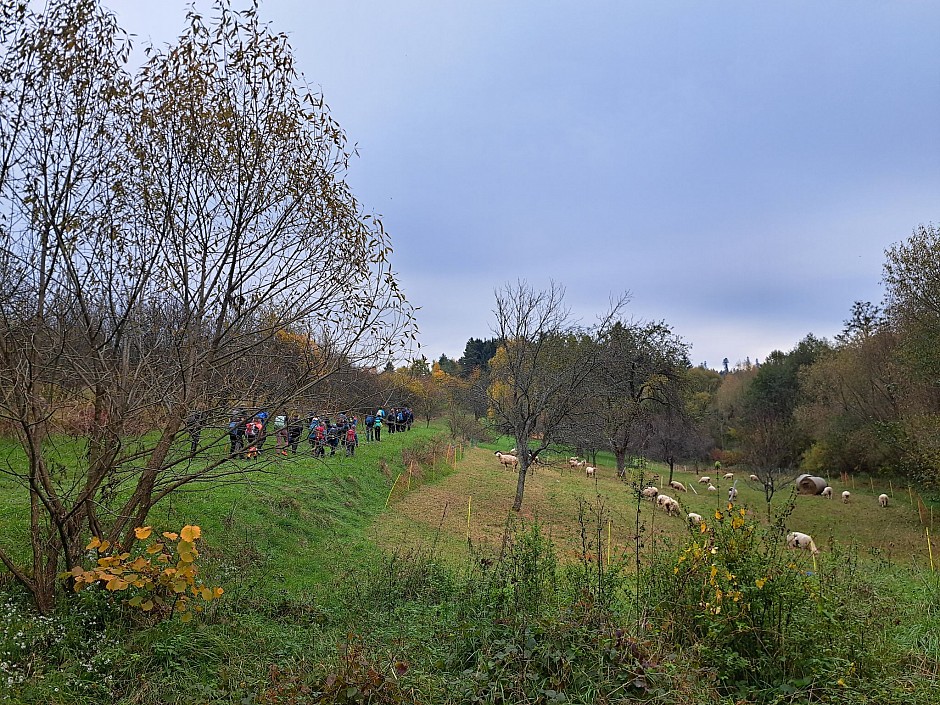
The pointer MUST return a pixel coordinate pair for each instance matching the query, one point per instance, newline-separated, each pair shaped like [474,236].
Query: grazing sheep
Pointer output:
[753,478]
[667,504]
[827,493]
[729,476]
[845,497]
[695,519]
[732,494]
[575,463]
[507,460]
[704,480]
[589,471]
[712,488]
[650,493]
[796,539]
[883,500]
[676,485]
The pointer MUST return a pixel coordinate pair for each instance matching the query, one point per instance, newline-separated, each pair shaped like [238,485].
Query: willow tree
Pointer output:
[177,239]
[537,381]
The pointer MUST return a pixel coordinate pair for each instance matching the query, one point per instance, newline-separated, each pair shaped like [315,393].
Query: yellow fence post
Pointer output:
[391,490]
[929,549]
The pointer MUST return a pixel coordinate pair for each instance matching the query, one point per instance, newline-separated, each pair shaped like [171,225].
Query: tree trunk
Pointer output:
[621,455]
[672,465]
[520,487]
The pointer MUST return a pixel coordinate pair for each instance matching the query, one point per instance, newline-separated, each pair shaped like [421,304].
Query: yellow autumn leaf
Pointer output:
[94,543]
[702,528]
[143,532]
[718,514]
[206,594]
[147,606]
[184,546]
[218,592]
[186,617]
[116,584]
[190,533]
[156,548]
[760,583]
[170,535]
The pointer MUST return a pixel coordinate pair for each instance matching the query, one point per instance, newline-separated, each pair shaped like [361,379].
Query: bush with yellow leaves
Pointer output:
[748,606]
[161,579]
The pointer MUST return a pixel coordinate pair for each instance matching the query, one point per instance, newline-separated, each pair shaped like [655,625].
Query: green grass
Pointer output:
[323,580]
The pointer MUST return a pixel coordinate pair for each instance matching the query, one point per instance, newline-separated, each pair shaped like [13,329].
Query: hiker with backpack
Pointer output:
[377,428]
[280,434]
[370,422]
[194,423]
[295,429]
[236,434]
[351,440]
[332,438]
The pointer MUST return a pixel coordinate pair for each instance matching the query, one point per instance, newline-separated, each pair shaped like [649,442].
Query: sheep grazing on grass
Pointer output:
[695,519]
[712,488]
[676,485]
[753,478]
[827,493]
[576,463]
[668,504]
[589,471]
[845,497]
[796,539]
[650,493]
[729,476]
[732,494]
[883,500]
[704,480]
[509,461]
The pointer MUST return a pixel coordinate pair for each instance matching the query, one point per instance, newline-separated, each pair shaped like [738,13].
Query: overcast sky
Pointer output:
[740,167]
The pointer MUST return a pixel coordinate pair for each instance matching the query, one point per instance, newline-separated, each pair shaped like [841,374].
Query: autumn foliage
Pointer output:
[162,579]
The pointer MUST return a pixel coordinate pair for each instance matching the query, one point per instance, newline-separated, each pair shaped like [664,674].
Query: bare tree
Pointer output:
[182,240]
[537,380]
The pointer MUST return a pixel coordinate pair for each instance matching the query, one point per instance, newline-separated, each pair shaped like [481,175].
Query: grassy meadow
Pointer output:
[352,580]
[554,494]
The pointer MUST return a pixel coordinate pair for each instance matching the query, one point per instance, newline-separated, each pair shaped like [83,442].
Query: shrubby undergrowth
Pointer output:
[724,616]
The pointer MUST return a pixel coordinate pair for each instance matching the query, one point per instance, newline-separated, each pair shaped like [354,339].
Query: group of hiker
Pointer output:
[248,431]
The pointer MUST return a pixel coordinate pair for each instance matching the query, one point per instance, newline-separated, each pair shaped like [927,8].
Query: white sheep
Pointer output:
[676,485]
[667,504]
[753,478]
[589,471]
[827,493]
[712,488]
[729,475]
[695,519]
[845,497]
[796,539]
[883,500]
[507,460]
[650,493]
[732,494]
[575,463]
[704,480]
